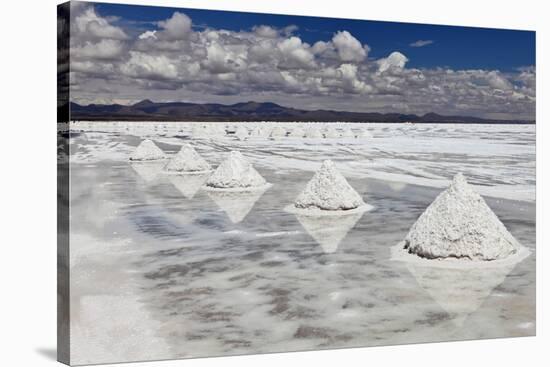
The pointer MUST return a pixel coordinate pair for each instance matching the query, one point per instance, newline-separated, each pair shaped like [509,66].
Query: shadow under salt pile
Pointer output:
[329,207]
[235,186]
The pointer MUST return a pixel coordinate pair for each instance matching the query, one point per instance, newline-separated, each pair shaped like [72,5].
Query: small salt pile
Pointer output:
[459,224]
[331,133]
[278,132]
[187,160]
[256,132]
[363,134]
[200,131]
[237,174]
[330,191]
[241,133]
[313,133]
[147,151]
[297,132]
[347,133]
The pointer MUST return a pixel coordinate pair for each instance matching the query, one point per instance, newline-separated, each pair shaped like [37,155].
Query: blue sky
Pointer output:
[454,47]
[125,53]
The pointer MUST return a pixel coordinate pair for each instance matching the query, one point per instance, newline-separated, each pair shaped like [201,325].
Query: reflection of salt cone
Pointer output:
[148,171]
[188,185]
[459,292]
[236,205]
[329,230]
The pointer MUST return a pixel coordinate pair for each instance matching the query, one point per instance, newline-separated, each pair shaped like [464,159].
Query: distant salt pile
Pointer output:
[256,132]
[187,160]
[236,174]
[363,134]
[278,132]
[217,130]
[241,133]
[313,133]
[328,191]
[331,133]
[347,133]
[147,151]
[297,132]
[460,225]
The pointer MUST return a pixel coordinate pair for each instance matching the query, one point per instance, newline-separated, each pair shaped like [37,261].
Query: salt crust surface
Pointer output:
[459,225]
[328,190]
[236,174]
[147,150]
[187,160]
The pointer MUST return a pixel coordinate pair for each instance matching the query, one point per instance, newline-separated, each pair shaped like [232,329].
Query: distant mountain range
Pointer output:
[147,110]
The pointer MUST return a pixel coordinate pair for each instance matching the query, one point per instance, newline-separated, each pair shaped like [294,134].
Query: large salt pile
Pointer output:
[147,151]
[236,174]
[278,132]
[460,225]
[187,160]
[328,191]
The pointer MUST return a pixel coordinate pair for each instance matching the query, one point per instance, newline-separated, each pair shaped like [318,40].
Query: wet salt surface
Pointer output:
[157,275]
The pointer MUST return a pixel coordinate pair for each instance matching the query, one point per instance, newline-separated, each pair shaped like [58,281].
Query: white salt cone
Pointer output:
[328,190]
[236,173]
[459,224]
[147,151]
[187,160]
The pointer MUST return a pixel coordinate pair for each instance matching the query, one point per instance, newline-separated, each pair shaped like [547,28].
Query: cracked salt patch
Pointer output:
[459,228]
[236,174]
[187,160]
[147,150]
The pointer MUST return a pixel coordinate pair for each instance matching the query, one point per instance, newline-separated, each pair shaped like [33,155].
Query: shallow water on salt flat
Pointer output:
[206,274]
